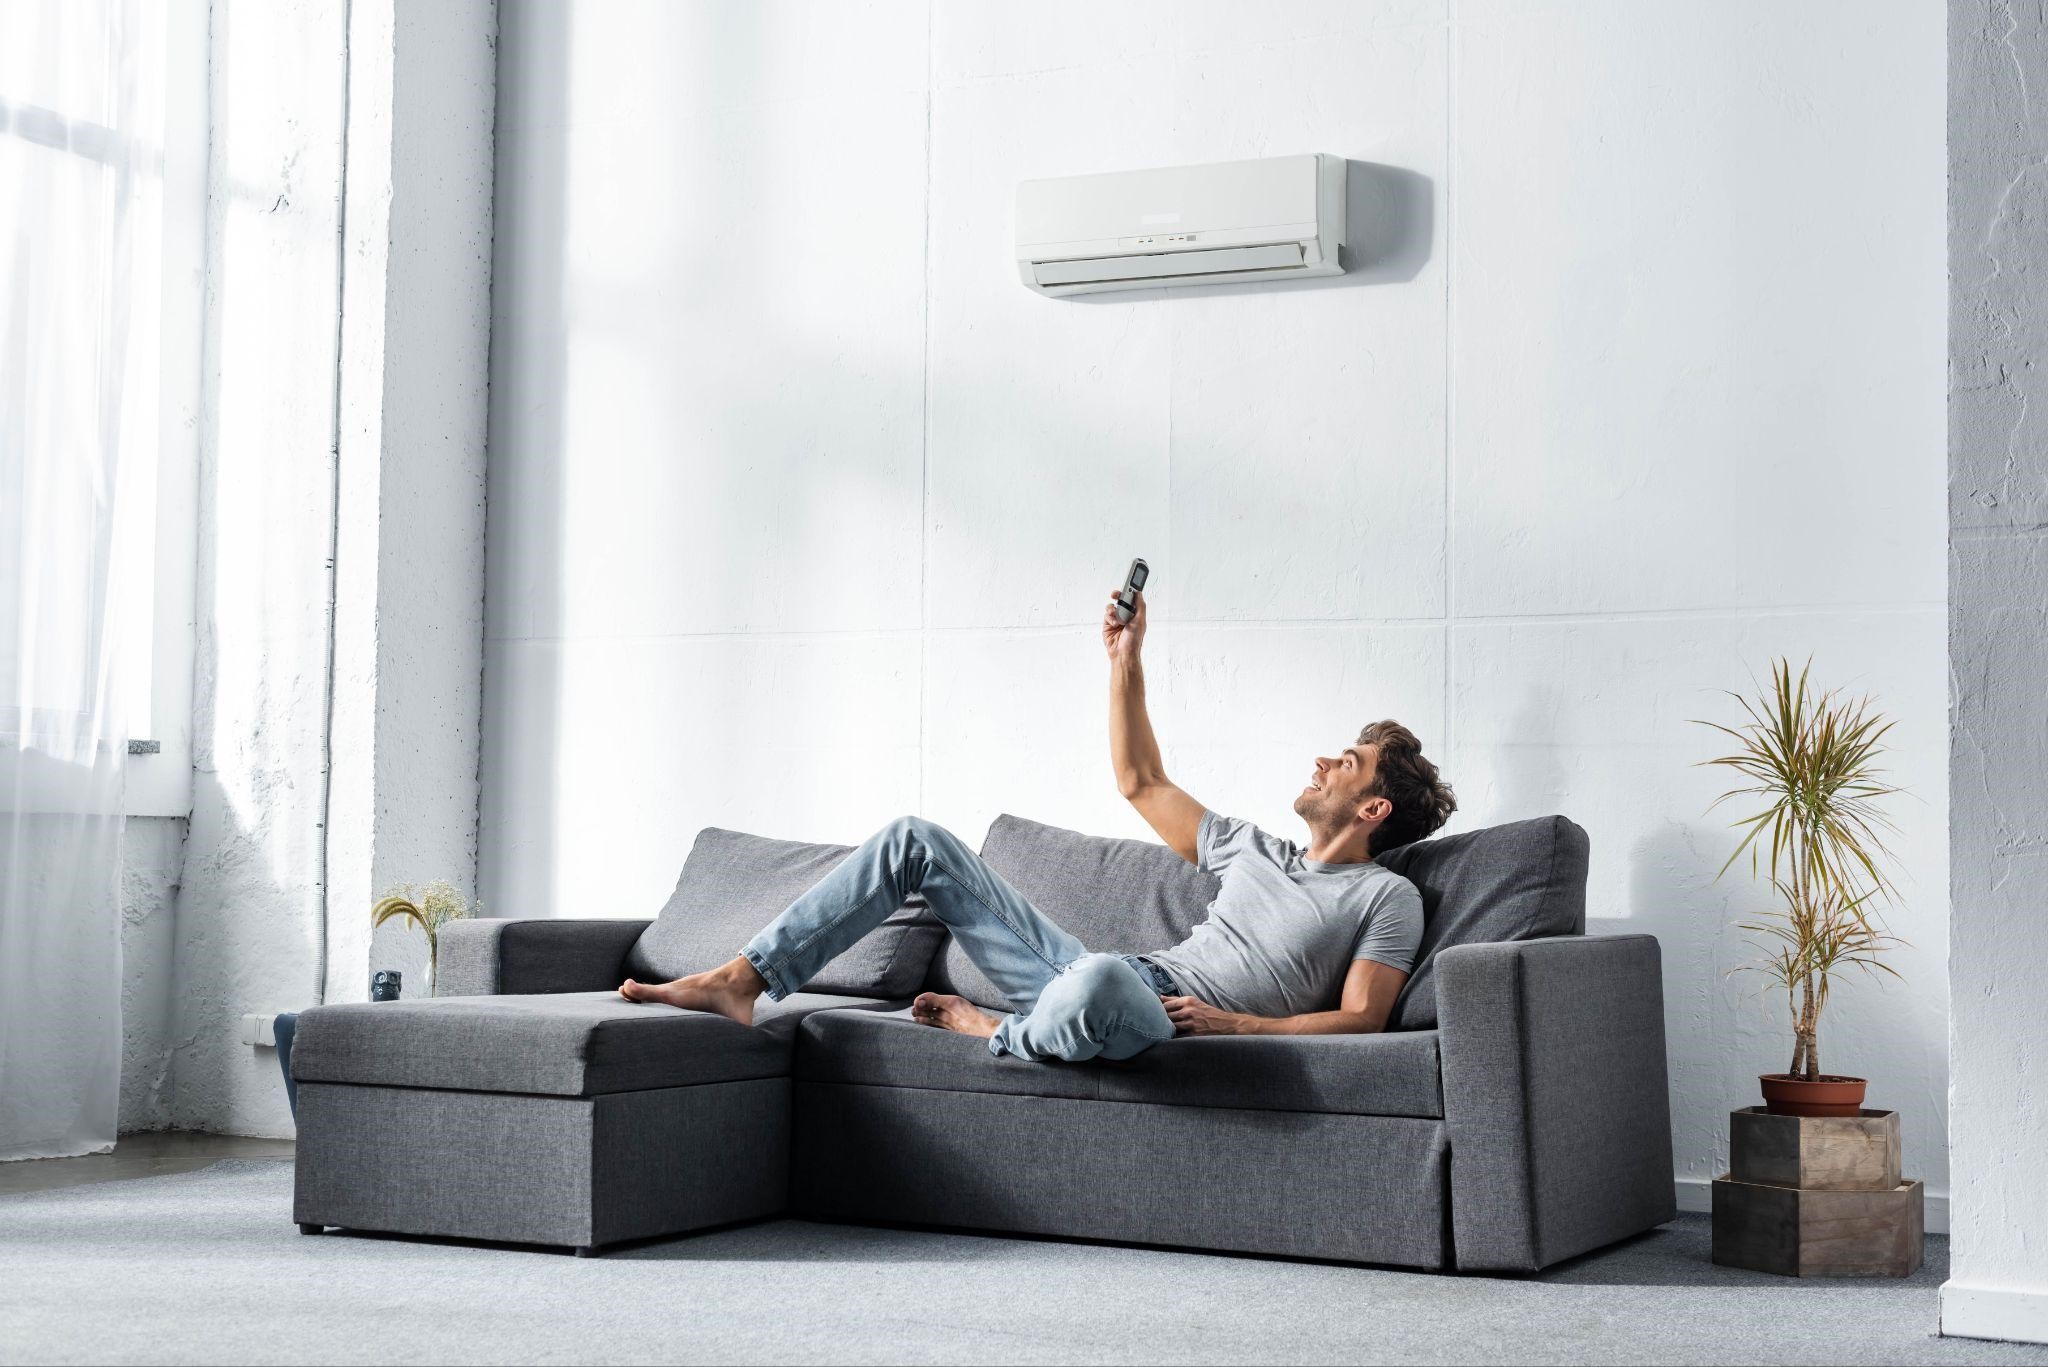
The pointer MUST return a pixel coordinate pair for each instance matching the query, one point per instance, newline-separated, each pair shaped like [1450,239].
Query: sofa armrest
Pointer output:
[1555,1096]
[487,958]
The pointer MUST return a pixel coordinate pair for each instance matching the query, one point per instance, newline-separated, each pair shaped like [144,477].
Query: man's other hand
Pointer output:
[1192,1016]
[1123,640]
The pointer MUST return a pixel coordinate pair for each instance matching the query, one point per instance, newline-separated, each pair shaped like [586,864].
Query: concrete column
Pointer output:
[415,352]
[1998,654]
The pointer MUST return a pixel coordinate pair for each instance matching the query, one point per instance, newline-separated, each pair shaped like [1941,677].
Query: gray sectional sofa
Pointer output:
[1514,1114]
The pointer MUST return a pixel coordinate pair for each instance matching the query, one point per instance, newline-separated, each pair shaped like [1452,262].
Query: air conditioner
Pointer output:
[1278,218]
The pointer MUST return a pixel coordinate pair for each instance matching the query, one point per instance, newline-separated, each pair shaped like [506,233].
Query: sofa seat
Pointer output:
[1379,1075]
[576,1044]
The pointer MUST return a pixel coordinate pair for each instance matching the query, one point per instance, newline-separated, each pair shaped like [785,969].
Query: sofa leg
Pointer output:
[585,1251]
[305,1228]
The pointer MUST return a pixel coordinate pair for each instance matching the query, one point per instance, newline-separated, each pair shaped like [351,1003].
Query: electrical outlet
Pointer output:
[260,1031]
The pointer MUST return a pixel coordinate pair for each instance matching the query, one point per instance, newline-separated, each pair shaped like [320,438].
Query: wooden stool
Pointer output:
[1817,1196]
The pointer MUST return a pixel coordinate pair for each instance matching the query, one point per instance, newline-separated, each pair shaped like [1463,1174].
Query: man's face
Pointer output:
[1338,787]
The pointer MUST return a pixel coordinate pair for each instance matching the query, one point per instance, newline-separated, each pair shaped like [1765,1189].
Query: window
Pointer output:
[103,114]
[157,556]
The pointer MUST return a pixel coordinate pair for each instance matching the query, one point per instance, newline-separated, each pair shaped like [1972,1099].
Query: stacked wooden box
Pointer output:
[1817,1196]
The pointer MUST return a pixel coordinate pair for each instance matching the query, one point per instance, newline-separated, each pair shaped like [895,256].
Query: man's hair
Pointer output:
[1422,801]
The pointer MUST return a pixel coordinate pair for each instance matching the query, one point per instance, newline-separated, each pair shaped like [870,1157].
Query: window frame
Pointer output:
[159,763]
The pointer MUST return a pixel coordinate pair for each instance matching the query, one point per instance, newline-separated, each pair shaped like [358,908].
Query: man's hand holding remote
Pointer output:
[1123,639]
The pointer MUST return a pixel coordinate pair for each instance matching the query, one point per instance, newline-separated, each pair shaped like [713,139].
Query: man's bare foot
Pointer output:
[953,1013]
[728,990]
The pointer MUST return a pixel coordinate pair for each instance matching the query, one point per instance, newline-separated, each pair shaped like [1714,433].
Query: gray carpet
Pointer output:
[207,1267]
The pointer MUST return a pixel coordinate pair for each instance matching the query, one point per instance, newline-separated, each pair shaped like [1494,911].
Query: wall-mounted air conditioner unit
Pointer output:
[1277,218]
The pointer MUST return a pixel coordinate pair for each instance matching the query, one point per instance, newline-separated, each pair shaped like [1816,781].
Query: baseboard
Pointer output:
[1697,1194]
[1993,1312]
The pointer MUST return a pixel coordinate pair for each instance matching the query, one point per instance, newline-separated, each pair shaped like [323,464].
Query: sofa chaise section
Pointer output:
[576,1119]
[529,1102]
[559,1044]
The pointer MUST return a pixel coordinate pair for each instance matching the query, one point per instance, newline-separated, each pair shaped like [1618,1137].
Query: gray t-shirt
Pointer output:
[1283,931]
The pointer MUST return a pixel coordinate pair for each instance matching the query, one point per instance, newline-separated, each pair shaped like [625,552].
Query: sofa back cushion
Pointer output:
[1521,881]
[733,884]
[1114,896]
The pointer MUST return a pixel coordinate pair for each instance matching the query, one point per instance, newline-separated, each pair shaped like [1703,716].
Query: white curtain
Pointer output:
[81,115]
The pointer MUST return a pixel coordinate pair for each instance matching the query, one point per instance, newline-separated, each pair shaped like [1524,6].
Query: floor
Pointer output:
[182,1249]
[138,1155]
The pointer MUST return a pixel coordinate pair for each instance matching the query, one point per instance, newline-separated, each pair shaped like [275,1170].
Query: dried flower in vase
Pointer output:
[434,906]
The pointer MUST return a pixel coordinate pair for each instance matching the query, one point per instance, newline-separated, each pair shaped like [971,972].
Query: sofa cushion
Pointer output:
[733,884]
[1389,1075]
[1114,896]
[558,1044]
[1522,881]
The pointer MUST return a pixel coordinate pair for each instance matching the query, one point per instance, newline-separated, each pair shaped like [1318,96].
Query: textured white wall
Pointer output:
[248,905]
[152,862]
[802,509]
[1998,642]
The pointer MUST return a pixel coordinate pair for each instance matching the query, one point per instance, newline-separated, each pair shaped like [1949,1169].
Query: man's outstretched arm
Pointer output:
[1369,993]
[1133,750]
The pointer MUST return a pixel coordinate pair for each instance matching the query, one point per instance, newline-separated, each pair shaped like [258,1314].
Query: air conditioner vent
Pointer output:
[1284,256]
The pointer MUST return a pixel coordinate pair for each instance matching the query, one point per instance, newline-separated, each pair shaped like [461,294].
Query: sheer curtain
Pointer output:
[81,114]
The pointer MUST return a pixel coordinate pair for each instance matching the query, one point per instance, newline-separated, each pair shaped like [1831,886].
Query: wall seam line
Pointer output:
[1175,59]
[483,606]
[1450,547]
[334,509]
[924,464]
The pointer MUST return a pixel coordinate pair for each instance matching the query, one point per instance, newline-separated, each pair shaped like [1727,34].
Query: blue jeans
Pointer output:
[284,1028]
[1070,1004]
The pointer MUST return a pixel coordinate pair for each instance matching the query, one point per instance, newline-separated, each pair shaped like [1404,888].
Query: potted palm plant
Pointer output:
[1810,758]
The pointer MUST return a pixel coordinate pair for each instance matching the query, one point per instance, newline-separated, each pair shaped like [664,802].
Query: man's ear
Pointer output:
[1375,810]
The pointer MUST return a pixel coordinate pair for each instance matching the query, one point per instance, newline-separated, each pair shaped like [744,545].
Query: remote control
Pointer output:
[1127,599]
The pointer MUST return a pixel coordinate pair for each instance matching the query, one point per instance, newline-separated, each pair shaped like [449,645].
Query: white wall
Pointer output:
[152,862]
[1998,641]
[248,933]
[802,509]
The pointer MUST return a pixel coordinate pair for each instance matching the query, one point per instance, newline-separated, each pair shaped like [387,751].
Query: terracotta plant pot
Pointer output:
[1831,1095]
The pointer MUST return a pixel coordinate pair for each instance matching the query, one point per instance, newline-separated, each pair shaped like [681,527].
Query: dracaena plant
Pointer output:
[1816,838]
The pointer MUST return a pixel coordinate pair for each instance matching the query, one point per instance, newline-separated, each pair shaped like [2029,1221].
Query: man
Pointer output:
[1315,940]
